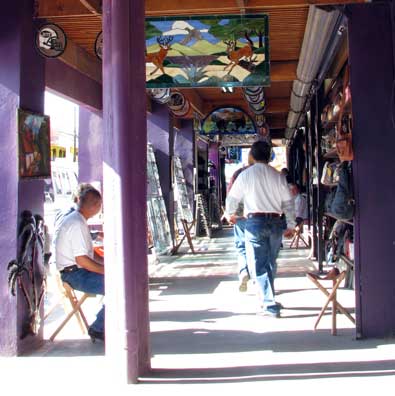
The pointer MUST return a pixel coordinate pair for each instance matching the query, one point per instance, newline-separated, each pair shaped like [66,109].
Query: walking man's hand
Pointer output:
[289,233]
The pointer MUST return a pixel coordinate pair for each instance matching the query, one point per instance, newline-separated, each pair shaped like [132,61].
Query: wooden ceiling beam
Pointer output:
[283,71]
[203,7]
[274,106]
[93,6]
[62,8]
[193,96]
[77,58]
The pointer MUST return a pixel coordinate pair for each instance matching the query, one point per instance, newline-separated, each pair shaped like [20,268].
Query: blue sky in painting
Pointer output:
[166,26]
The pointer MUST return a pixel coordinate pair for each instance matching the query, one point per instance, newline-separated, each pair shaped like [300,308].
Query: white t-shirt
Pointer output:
[262,189]
[73,240]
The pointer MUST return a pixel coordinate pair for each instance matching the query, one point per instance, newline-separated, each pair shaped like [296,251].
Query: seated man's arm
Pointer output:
[89,264]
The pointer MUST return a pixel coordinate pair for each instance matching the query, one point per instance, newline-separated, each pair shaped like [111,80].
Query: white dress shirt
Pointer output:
[263,190]
[73,240]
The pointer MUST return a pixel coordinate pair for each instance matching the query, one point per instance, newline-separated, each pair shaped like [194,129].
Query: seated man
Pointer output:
[75,257]
[300,205]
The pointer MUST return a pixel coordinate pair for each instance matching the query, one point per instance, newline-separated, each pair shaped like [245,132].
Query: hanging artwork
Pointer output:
[207,51]
[228,121]
[50,40]
[34,145]
[158,223]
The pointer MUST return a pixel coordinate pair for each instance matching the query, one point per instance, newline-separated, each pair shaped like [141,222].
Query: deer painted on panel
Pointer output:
[235,56]
[158,57]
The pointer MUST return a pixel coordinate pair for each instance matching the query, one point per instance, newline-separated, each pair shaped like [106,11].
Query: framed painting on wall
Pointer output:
[34,145]
[207,51]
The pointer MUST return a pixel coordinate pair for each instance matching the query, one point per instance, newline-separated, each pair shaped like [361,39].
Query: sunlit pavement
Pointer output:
[207,337]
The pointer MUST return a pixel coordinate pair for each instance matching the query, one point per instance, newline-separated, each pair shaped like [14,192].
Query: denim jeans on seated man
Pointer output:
[239,237]
[263,240]
[88,282]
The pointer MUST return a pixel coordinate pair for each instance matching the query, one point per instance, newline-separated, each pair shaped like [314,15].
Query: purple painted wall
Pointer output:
[372,77]
[161,138]
[19,62]
[76,86]
[183,148]
[90,146]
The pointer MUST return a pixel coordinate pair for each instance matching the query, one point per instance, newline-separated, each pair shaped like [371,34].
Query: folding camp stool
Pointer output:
[336,277]
[69,294]
[298,236]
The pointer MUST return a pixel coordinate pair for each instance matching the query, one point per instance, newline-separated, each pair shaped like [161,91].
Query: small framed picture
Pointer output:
[34,145]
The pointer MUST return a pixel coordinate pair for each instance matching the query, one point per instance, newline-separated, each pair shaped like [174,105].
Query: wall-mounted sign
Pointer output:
[99,46]
[238,140]
[50,40]
[228,121]
[207,51]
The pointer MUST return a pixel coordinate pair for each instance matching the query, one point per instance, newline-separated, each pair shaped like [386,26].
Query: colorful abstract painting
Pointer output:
[207,51]
[34,145]
[228,121]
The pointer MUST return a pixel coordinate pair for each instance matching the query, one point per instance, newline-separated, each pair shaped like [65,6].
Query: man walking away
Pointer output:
[266,196]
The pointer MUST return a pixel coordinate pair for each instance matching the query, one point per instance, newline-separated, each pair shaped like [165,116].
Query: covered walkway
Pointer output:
[205,334]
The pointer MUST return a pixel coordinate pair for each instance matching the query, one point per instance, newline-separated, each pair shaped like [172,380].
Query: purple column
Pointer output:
[184,148]
[125,181]
[372,76]
[19,62]
[90,146]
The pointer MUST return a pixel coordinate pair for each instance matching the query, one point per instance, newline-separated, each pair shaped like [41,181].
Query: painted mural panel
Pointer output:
[228,121]
[207,51]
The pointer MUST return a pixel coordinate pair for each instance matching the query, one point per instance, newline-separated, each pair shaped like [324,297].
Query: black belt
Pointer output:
[263,214]
[71,268]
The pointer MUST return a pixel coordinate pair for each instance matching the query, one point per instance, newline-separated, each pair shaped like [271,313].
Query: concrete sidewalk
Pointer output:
[206,337]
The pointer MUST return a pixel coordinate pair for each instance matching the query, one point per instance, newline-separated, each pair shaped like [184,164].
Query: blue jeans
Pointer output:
[263,241]
[88,282]
[239,235]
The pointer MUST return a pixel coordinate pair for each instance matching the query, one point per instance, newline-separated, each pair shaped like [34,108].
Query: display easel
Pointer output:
[184,217]
[202,217]
[158,222]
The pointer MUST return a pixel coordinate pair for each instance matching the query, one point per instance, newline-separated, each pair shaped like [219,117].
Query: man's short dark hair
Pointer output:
[261,151]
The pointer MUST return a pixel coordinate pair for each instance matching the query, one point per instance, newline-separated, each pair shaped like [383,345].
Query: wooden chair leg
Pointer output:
[338,305]
[76,309]
[187,231]
[334,309]
[331,297]
[68,317]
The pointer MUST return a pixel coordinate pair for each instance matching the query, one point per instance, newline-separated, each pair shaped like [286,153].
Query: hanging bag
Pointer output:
[343,130]
[342,206]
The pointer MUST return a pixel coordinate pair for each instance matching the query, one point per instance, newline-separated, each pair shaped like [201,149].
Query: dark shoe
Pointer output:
[95,335]
[243,283]
[279,305]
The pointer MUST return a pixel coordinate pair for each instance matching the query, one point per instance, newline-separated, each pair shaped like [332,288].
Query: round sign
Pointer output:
[51,40]
[99,46]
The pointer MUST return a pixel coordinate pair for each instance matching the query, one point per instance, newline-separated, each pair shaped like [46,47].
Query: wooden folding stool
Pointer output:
[336,277]
[69,294]
[298,236]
